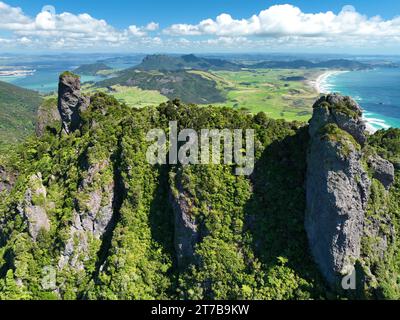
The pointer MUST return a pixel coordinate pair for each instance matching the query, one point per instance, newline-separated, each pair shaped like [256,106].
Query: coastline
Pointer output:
[320,85]
[16,73]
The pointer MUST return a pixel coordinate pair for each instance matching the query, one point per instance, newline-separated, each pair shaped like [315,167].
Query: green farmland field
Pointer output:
[269,91]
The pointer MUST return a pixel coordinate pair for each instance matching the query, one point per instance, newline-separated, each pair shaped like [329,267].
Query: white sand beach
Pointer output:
[16,73]
[320,83]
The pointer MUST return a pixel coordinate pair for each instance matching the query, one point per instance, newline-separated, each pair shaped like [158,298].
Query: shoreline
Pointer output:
[321,80]
[318,85]
[16,73]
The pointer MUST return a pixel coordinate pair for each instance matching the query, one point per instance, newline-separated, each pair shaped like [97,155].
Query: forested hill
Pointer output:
[185,62]
[18,109]
[84,204]
[187,86]
[92,69]
[192,62]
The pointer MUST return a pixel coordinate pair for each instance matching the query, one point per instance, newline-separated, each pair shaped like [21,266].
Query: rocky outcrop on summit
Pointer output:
[70,102]
[34,205]
[341,111]
[337,185]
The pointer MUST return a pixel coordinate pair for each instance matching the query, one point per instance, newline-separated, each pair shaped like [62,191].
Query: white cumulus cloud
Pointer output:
[152,26]
[288,20]
[67,29]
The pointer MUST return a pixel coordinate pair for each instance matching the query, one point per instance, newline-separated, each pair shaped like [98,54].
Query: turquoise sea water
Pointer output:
[377,91]
[47,70]
[44,80]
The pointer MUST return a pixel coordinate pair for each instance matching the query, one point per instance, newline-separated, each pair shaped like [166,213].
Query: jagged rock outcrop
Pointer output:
[383,170]
[187,233]
[47,115]
[7,179]
[91,218]
[342,111]
[337,185]
[71,103]
[33,208]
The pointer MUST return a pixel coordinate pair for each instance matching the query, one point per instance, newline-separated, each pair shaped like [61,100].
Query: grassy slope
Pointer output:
[260,90]
[136,97]
[265,90]
[17,113]
[188,87]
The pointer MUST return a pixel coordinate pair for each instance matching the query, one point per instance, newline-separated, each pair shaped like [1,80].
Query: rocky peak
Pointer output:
[342,111]
[70,102]
[338,185]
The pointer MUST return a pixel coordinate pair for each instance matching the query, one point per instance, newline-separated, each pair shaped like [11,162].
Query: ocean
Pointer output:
[46,69]
[377,91]
[44,77]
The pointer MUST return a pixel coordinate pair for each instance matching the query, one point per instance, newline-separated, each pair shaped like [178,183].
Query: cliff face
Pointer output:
[33,208]
[186,227]
[338,185]
[47,115]
[70,102]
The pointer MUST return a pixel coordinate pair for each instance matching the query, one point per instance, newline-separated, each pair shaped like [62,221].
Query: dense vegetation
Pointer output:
[253,243]
[17,113]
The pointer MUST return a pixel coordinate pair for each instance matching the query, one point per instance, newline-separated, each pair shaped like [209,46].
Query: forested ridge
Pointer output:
[90,208]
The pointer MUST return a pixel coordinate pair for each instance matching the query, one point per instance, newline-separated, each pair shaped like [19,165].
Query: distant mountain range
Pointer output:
[298,64]
[192,62]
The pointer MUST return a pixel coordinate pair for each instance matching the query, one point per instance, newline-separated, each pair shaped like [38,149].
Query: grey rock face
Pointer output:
[70,102]
[383,170]
[334,108]
[46,115]
[7,180]
[91,219]
[337,187]
[187,233]
[33,207]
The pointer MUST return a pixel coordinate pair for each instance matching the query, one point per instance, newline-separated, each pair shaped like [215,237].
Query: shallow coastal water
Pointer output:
[44,79]
[377,91]
[46,70]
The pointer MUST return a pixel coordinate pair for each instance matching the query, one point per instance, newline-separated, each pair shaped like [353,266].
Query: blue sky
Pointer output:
[181,26]
[123,13]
